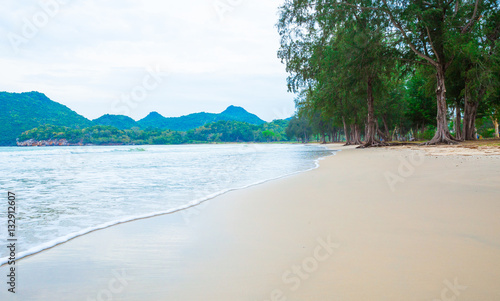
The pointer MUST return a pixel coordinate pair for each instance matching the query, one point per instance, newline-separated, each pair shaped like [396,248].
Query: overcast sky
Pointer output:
[136,56]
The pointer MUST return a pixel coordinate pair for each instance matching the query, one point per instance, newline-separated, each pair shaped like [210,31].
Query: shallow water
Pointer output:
[64,192]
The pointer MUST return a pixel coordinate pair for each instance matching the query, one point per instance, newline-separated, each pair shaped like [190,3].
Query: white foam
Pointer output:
[66,238]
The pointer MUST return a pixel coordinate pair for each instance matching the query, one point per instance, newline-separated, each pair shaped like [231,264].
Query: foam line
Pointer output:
[66,238]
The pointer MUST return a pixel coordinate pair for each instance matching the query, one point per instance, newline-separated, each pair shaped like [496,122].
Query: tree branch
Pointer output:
[358,7]
[405,36]
[472,20]
[456,8]
[413,61]
[449,63]
[424,44]
[432,44]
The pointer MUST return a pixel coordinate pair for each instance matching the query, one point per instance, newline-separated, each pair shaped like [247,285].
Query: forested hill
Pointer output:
[233,113]
[20,112]
[118,121]
[192,121]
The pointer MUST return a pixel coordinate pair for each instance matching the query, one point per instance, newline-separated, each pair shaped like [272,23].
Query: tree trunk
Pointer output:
[370,139]
[442,132]
[366,130]
[470,112]
[495,125]
[458,121]
[497,134]
[382,134]
[386,128]
[356,138]
[352,135]
[394,133]
[469,131]
[346,133]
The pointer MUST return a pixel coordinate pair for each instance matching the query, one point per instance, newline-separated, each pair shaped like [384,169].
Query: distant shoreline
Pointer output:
[478,147]
[46,143]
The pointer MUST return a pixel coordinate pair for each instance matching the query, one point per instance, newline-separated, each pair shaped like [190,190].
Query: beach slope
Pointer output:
[369,224]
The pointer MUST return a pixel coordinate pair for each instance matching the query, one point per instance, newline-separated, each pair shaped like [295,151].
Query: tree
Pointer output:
[337,57]
[318,47]
[421,107]
[431,29]
[299,128]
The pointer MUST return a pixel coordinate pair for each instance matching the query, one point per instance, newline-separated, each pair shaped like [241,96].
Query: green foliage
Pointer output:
[223,131]
[485,128]
[20,112]
[220,131]
[299,128]
[235,131]
[118,121]
[421,106]
[33,116]
[278,127]
[233,113]
[269,135]
[404,57]
[196,120]
[427,134]
[341,64]
[47,132]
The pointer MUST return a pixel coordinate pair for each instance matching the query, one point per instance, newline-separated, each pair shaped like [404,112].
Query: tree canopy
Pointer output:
[216,132]
[372,67]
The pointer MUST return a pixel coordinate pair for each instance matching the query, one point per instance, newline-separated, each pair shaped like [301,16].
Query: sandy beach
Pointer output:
[368,224]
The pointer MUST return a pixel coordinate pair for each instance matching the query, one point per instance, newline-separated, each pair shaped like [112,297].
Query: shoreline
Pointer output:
[67,238]
[391,244]
[200,143]
[495,142]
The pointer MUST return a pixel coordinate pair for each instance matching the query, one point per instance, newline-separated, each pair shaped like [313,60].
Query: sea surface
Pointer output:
[65,192]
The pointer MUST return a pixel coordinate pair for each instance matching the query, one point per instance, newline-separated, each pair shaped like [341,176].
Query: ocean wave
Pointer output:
[63,239]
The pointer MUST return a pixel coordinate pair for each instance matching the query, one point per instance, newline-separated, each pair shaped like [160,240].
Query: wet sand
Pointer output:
[375,224]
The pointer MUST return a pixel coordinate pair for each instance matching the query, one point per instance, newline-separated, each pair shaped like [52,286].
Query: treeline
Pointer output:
[369,72]
[221,131]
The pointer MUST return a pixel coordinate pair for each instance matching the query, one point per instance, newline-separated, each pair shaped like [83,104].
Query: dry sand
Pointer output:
[374,224]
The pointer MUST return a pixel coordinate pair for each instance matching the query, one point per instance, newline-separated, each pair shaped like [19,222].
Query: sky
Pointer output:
[133,57]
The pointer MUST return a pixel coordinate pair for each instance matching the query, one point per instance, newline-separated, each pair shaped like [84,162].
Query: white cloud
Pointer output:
[92,51]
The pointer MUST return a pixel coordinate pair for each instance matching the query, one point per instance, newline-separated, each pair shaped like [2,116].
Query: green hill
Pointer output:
[154,120]
[216,132]
[20,112]
[192,121]
[118,121]
[233,113]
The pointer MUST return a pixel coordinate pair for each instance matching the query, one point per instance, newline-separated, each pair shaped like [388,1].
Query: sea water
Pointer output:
[65,192]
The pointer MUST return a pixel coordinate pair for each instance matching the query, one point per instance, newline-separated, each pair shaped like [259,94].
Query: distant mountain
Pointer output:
[118,121]
[192,121]
[233,113]
[184,123]
[20,112]
[154,120]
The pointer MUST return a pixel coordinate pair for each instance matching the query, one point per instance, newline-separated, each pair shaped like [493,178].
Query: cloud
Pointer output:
[90,52]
